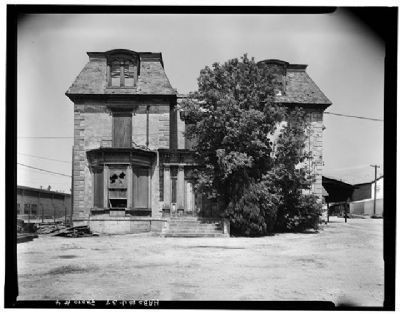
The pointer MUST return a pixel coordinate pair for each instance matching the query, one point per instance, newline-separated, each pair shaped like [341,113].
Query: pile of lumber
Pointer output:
[49,227]
[75,232]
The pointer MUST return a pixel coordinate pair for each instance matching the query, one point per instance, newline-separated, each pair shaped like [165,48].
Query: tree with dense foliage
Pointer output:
[233,119]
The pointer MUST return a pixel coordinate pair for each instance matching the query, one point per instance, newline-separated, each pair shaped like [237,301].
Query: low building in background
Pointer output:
[339,195]
[41,204]
[357,199]
[363,198]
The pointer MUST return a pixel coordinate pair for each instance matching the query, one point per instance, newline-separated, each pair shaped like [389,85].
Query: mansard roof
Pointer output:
[152,79]
[299,87]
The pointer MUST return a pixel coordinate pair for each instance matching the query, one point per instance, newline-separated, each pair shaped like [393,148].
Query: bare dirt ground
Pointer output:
[341,263]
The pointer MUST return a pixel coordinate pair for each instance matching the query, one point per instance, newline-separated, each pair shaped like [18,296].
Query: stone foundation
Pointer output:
[122,225]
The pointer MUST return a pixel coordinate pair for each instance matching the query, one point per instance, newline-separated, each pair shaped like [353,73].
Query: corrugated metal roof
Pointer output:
[28,188]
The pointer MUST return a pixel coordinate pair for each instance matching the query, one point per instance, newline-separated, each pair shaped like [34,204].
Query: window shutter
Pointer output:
[98,188]
[141,188]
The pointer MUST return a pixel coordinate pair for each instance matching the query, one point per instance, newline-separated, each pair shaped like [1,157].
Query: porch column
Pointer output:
[105,186]
[129,187]
[167,185]
[180,188]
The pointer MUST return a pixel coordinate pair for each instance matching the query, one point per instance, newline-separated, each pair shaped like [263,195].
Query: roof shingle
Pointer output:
[92,80]
[301,89]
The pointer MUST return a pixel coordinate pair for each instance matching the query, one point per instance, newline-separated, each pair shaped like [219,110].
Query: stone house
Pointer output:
[131,163]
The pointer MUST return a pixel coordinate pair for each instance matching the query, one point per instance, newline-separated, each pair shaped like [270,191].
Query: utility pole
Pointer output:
[376,167]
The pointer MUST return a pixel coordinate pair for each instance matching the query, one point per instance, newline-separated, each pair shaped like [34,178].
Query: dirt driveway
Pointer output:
[341,263]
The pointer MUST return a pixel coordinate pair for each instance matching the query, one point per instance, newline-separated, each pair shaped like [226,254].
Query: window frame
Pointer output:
[125,61]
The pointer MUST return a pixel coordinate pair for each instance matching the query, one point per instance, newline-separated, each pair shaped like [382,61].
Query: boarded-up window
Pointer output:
[122,129]
[98,188]
[141,188]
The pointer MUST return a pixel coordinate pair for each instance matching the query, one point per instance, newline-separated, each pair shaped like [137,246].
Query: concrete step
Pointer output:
[193,222]
[184,218]
[194,230]
[191,227]
[193,219]
[195,235]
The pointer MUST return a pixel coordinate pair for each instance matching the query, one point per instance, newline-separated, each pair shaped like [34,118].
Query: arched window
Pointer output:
[122,71]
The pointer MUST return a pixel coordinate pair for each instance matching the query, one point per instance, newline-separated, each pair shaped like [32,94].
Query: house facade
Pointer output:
[132,166]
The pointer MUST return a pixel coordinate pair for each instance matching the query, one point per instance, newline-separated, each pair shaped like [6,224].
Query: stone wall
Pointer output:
[79,164]
[158,125]
[314,144]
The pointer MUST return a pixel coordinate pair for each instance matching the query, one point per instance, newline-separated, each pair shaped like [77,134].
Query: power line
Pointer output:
[350,116]
[364,166]
[45,137]
[71,137]
[39,157]
[40,169]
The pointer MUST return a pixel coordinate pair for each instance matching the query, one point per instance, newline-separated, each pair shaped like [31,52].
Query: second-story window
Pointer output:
[122,71]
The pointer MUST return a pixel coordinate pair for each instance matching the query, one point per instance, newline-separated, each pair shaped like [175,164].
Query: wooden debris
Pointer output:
[75,232]
[49,227]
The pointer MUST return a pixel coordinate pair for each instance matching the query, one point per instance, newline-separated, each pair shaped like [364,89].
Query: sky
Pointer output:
[344,59]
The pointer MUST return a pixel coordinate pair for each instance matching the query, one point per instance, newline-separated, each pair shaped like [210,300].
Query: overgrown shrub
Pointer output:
[302,216]
[254,213]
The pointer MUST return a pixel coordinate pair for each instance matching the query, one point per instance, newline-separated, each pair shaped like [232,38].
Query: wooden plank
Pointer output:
[122,131]
[98,188]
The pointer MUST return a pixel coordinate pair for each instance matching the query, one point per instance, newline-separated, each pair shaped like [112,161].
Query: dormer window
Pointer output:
[279,69]
[122,71]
